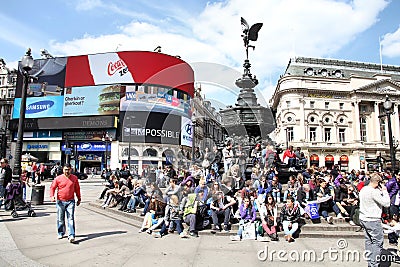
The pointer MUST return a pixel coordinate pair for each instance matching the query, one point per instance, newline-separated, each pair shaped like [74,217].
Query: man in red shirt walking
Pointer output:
[67,186]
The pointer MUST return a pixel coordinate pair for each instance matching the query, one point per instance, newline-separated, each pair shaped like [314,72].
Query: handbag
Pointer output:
[270,221]
[202,211]
[249,231]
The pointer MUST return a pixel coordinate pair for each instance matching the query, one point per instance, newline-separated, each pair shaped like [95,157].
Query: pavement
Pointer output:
[107,238]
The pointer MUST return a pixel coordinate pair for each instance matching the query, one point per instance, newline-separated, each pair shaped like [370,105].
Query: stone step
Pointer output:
[308,234]
[329,227]
[310,229]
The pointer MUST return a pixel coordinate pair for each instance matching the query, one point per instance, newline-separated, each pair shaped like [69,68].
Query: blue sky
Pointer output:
[206,34]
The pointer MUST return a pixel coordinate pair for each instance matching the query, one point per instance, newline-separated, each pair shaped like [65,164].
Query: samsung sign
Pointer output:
[39,106]
[36,147]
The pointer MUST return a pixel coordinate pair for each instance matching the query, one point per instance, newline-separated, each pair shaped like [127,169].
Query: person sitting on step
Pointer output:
[325,197]
[290,216]
[269,217]
[221,207]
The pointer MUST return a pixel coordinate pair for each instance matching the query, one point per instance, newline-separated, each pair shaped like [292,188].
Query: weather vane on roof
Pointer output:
[249,34]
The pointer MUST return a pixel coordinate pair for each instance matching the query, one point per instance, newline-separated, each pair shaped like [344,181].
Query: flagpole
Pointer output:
[380,53]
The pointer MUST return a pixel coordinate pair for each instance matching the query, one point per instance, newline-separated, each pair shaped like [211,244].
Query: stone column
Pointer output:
[303,117]
[357,122]
[377,123]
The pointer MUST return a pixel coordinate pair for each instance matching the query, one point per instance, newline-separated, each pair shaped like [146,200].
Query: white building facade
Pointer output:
[333,110]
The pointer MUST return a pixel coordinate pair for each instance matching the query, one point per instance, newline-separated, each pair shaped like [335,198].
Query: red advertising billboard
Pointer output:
[130,67]
[110,68]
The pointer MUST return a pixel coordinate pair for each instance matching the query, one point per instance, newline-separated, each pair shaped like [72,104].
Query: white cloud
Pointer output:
[391,44]
[85,5]
[315,28]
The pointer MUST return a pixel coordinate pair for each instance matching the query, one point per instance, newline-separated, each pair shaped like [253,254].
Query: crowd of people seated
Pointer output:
[201,198]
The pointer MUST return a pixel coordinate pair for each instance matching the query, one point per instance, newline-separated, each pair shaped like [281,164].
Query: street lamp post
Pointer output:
[129,143]
[194,121]
[26,65]
[129,148]
[387,105]
[106,139]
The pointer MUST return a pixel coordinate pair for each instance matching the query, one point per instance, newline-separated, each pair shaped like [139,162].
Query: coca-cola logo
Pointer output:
[113,67]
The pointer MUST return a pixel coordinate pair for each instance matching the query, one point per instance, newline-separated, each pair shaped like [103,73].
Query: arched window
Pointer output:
[168,153]
[363,129]
[134,152]
[150,152]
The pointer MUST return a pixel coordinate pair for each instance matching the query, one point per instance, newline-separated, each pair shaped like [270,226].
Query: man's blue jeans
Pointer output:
[66,208]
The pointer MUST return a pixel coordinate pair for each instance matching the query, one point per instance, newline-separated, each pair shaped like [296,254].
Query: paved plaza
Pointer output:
[105,239]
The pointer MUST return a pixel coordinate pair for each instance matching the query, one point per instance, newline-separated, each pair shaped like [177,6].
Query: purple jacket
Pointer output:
[245,215]
[337,180]
[392,187]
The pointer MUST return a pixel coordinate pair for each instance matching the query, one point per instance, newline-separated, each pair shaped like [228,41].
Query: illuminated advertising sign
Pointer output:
[128,67]
[88,146]
[91,100]
[39,107]
[186,132]
[49,77]
[155,99]
[150,127]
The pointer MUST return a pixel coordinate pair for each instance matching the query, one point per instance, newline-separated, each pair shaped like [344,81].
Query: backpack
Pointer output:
[191,205]
[356,216]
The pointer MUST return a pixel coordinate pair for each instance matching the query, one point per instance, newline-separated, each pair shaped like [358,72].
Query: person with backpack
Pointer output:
[5,178]
[190,205]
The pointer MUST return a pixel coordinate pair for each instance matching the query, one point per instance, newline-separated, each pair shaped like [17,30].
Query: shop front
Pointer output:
[344,163]
[314,160]
[86,156]
[45,152]
[329,162]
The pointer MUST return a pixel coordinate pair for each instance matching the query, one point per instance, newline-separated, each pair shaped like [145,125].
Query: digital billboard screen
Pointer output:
[150,127]
[92,100]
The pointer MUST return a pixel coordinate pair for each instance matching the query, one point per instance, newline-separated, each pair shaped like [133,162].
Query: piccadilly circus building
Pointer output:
[107,110]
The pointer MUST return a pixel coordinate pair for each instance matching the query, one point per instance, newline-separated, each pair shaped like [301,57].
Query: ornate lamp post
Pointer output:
[106,139]
[26,65]
[387,105]
[130,142]
[194,125]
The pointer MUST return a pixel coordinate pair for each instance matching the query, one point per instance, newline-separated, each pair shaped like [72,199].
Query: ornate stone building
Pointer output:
[207,121]
[8,78]
[332,110]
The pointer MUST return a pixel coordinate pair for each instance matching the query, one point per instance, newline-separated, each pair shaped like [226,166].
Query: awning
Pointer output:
[314,157]
[344,158]
[28,157]
[329,158]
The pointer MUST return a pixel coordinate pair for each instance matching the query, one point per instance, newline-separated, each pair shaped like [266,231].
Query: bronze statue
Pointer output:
[249,34]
